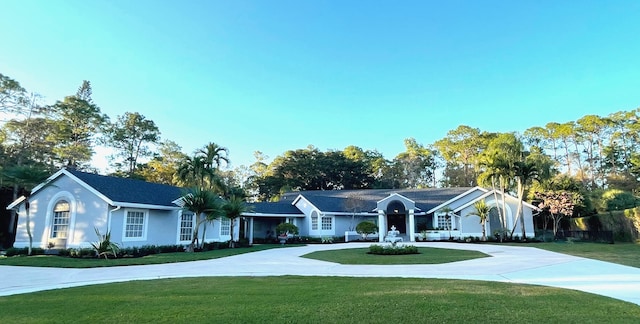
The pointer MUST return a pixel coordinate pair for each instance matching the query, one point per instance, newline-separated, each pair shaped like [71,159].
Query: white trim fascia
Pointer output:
[394,194]
[532,206]
[272,215]
[298,198]
[473,201]
[301,197]
[74,178]
[49,179]
[144,206]
[16,202]
[88,187]
[489,193]
[179,202]
[351,214]
[433,210]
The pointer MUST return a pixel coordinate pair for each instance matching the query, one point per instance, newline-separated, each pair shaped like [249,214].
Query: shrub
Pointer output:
[327,239]
[365,228]
[104,246]
[82,253]
[23,251]
[286,228]
[615,199]
[392,249]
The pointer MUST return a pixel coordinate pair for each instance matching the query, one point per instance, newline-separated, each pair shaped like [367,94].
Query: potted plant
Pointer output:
[284,230]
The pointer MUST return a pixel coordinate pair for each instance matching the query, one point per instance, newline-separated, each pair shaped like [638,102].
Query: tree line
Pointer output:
[591,154]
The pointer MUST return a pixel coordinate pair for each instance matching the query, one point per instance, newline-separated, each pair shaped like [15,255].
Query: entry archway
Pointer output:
[397,216]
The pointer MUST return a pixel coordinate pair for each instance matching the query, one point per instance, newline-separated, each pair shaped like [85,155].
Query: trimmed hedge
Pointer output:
[392,249]
[23,251]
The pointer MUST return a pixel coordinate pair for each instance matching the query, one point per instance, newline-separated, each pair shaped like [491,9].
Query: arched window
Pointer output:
[495,223]
[60,225]
[396,207]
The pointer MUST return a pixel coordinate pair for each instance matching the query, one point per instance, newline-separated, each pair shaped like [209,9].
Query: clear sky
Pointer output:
[280,75]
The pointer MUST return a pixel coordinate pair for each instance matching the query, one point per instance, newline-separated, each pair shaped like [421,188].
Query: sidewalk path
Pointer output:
[514,264]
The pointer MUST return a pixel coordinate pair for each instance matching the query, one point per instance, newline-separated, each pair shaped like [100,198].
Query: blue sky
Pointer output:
[281,75]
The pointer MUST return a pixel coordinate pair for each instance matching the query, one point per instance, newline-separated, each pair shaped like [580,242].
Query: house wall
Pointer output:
[304,224]
[160,228]
[86,212]
[471,224]
[342,223]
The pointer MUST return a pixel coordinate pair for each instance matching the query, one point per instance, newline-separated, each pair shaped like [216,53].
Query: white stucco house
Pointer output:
[66,209]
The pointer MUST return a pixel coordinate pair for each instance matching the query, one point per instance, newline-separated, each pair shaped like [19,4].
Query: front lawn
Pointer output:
[67,262]
[621,253]
[314,300]
[426,256]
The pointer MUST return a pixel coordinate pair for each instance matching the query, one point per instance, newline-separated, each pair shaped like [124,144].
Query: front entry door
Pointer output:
[399,221]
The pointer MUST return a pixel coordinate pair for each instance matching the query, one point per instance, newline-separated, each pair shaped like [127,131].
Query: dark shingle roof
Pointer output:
[130,190]
[274,208]
[337,200]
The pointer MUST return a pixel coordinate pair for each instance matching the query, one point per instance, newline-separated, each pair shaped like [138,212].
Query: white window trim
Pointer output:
[224,226]
[62,195]
[145,225]
[317,218]
[53,220]
[193,224]
[331,223]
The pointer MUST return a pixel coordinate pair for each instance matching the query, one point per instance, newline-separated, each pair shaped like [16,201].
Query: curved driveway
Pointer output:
[514,264]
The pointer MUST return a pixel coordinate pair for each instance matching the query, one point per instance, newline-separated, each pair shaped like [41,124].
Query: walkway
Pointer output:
[508,264]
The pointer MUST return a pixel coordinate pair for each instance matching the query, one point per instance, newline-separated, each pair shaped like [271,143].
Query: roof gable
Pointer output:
[490,193]
[452,199]
[128,192]
[118,191]
[336,201]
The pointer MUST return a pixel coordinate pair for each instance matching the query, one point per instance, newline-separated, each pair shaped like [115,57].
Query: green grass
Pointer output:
[621,253]
[314,300]
[66,262]
[426,256]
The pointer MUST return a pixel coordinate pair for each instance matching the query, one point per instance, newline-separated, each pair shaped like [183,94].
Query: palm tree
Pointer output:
[447,215]
[25,177]
[525,173]
[213,155]
[482,211]
[205,205]
[233,209]
[499,169]
[203,169]
[192,172]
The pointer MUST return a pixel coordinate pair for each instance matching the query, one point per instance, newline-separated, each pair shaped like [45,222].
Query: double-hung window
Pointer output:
[327,223]
[135,225]
[186,226]
[225,226]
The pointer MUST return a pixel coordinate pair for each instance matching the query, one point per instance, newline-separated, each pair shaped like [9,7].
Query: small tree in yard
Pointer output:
[482,211]
[365,228]
[558,204]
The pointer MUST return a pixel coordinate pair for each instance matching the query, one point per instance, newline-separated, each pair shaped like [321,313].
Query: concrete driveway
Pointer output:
[514,264]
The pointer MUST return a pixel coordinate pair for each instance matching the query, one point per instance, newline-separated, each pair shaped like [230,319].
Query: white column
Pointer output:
[412,224]
[250,231]
[382,227]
